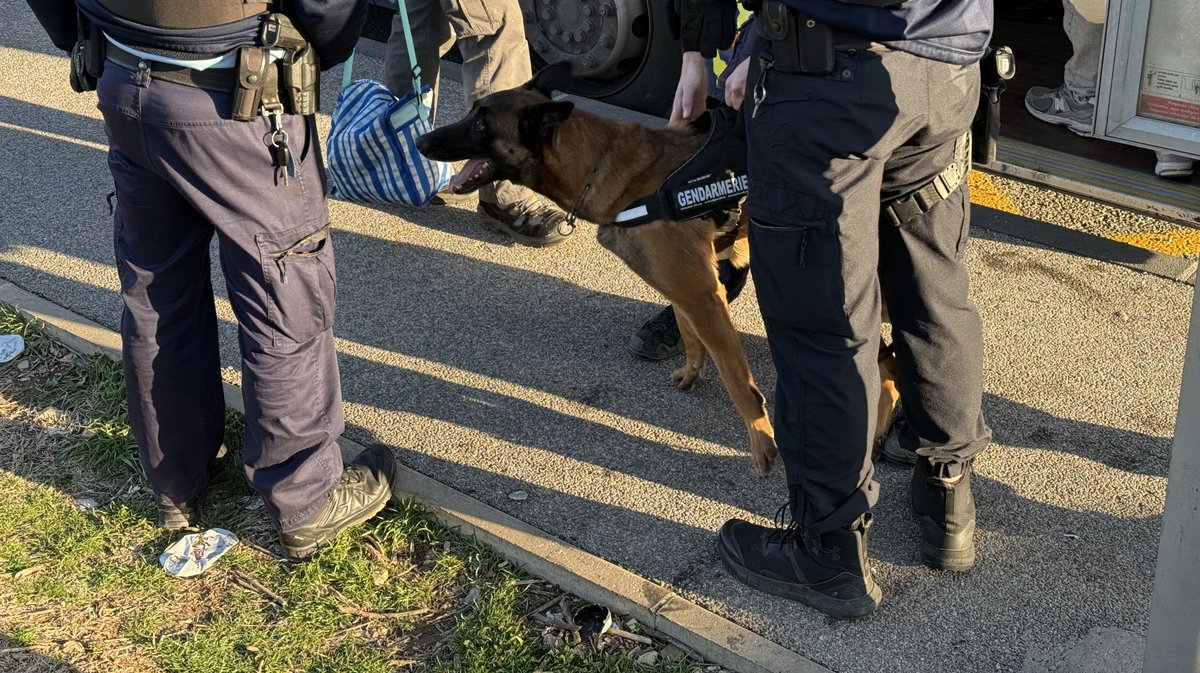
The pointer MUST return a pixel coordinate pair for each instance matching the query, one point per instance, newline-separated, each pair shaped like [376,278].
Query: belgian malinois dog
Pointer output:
[593,167]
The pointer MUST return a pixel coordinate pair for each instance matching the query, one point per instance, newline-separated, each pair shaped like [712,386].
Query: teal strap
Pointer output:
[347,68]
[412,59]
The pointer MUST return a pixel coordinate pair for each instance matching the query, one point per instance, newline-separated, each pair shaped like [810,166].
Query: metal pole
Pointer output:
[1173,643]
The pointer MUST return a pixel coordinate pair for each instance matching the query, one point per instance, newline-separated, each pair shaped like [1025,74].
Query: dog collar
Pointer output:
[572,214]
[713,179]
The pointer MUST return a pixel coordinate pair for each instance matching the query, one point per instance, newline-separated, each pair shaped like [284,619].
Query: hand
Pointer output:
[735,85]
[692,90]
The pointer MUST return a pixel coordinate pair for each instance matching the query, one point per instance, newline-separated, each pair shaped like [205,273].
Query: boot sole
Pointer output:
[959,558]
[853,608]
[302,553]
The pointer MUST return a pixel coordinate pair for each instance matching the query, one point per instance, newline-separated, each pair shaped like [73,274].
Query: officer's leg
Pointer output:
[937,334]
[279,267]
[936,327]
[817,147]
[491,38]
[278,263]
[168,328]
[432,38]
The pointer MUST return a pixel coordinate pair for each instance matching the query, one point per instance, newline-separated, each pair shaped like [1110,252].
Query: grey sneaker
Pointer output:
[1173,166]
[1061,106]
[362,492]
[531,222]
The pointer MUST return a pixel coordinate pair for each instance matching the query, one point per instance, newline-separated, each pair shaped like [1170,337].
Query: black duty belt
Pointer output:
[213,79]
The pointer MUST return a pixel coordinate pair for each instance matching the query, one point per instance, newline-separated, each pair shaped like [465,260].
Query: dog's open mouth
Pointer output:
[475,174]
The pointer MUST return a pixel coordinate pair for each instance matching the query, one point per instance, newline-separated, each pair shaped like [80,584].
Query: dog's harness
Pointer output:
[713,179]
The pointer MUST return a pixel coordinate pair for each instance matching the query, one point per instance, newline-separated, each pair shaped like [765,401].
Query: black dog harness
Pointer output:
[713,179]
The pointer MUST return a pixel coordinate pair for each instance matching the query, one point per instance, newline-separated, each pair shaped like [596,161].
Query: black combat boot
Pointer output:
[362,492]
[829,572]
[659,338]
[945,509]
[175,516]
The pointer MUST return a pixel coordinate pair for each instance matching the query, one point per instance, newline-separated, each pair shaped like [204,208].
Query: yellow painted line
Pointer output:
[1178,242]
[984,192]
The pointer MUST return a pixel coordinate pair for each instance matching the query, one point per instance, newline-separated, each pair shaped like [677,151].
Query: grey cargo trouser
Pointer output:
[824,151]
[183,170]
[491,39]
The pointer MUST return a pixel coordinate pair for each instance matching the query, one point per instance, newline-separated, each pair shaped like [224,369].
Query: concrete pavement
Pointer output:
[496,368]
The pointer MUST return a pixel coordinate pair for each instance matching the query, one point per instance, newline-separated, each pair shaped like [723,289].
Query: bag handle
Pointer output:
[348,68]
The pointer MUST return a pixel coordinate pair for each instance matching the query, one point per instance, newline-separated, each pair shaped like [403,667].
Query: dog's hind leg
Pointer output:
[693,351]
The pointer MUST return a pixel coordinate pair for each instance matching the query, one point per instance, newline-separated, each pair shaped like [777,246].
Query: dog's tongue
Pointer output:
[462,177]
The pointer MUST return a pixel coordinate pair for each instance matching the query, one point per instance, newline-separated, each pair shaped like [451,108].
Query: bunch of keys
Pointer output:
[760,89]
[276,140]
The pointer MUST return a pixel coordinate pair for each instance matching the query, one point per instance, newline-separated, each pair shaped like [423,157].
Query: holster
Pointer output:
[87,56]
[292,84]
[299,71]
[254,67]
[800,43]
[995,69]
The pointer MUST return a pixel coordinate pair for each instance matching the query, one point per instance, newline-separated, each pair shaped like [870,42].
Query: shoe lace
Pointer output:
[787,530]
[663,324]
[536,213]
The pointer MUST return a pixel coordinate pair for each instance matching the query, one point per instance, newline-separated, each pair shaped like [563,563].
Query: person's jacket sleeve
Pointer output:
[706,25]
[58,19]
[332,26]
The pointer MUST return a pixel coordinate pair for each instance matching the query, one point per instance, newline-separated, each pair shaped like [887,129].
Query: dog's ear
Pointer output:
[539,122]
[554,77]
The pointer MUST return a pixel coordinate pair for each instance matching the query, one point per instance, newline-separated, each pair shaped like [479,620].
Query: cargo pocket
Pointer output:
[301,283]
[479,20]
[798,276]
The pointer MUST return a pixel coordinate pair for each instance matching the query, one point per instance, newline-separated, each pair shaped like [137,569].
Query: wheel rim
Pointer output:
[602,39]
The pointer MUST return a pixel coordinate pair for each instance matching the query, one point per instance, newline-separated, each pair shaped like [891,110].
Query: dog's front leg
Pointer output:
[693,351]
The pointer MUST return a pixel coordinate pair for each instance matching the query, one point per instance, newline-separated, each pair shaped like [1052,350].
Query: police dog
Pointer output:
[593,167]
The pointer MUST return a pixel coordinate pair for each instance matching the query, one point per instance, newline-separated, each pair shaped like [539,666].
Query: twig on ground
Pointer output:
[622,633]
[349,608]
[15,650]
[348,630]
[448,615]
[566,610]
[543,606]
[264,550]
[556,623]
[247,582]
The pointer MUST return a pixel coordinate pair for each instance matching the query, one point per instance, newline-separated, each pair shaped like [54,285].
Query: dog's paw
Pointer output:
[763,452]
[686,377]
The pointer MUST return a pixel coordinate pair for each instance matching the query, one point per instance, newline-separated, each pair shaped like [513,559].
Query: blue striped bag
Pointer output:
[373,155]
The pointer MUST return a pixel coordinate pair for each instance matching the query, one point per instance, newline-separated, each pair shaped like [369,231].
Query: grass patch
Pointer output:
[80,581]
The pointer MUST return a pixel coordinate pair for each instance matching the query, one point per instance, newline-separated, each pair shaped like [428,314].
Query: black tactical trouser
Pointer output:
[183,171]
[824,151]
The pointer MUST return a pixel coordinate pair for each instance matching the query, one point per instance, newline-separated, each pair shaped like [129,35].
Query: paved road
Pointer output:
[497,368]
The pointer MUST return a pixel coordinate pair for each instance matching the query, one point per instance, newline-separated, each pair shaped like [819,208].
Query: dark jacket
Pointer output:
[954,31]
[332,26]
